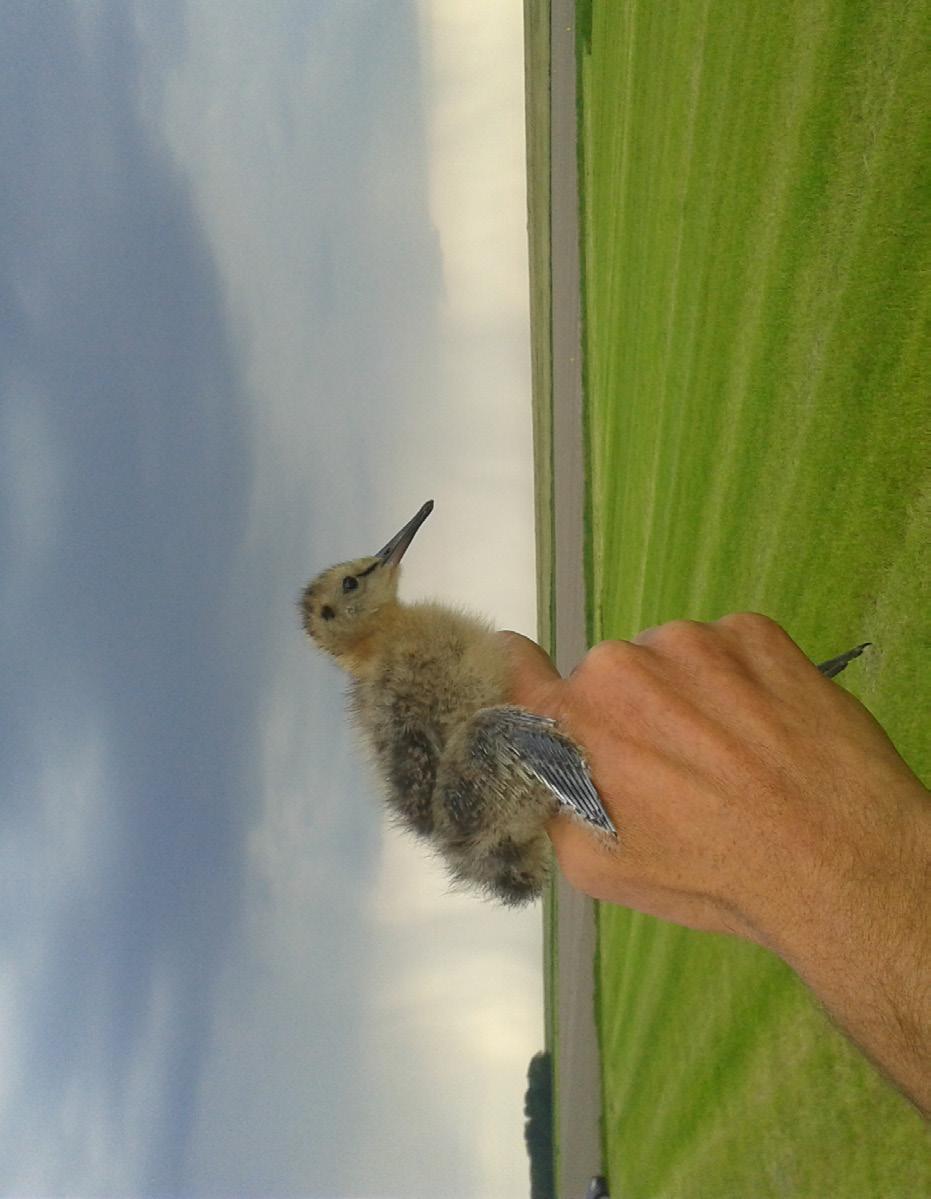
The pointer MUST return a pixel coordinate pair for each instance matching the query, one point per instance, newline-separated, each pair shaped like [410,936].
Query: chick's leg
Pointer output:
[489,813]
[834,666]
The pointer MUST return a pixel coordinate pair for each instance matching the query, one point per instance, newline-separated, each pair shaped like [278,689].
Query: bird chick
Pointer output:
[473,774]
[476,776]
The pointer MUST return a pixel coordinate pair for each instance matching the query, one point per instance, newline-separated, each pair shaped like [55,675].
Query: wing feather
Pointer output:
[555,762]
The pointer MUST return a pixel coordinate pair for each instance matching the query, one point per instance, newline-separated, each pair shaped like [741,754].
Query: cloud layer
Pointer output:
[244,334]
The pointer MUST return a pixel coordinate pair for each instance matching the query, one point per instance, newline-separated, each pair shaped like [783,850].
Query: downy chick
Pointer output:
[474,775]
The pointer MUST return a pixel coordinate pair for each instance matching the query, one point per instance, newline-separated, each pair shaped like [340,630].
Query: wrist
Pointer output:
[864,880]
[863,943]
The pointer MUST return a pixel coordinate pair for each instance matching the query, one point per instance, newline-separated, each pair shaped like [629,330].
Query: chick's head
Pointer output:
[342,605]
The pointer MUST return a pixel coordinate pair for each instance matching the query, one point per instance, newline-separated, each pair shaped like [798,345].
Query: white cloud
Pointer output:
[456,1012]
[473,439]
[475,98]
[374,388]
[51,864]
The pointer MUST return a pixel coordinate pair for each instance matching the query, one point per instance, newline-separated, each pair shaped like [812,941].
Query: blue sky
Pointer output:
[262,292]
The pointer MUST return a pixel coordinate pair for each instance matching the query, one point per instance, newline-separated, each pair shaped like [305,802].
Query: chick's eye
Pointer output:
[327,612]
[350,583]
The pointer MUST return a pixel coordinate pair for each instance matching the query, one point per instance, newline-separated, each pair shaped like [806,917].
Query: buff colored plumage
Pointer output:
[474,775]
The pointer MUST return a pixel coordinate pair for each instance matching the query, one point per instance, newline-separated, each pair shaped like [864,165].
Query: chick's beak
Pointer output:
[392,553]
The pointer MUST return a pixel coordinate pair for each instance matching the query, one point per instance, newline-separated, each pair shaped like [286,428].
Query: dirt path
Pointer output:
[579,1071]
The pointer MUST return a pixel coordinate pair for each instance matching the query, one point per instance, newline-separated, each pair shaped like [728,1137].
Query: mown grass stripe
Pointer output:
[755,188]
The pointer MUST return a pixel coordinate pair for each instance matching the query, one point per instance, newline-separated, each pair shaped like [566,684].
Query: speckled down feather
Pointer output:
[461,767]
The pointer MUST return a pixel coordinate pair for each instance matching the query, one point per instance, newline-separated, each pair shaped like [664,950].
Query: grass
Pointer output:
[537,118]
[757,301]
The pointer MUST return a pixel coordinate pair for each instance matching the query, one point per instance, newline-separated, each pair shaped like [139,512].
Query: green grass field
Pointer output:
[755,199]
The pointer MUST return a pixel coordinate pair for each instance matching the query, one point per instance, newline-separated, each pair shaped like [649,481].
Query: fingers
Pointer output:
[532,673]
[734,668]
[725,760]
[597,869]
[745,643]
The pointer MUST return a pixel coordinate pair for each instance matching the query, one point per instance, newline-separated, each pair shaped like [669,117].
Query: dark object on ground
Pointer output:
[538,1129]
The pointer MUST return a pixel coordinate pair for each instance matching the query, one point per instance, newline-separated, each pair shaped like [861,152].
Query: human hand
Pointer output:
[752,795]
[742,782]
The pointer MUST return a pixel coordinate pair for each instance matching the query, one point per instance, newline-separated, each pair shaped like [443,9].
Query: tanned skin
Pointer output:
[753,796]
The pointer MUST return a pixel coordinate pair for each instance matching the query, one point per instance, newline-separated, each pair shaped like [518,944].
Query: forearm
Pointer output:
[863,946]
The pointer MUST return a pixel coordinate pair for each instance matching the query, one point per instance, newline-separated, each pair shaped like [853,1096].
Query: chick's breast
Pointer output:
[438,670]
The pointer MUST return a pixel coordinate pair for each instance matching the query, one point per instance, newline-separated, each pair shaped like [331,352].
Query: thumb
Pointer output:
[532,674]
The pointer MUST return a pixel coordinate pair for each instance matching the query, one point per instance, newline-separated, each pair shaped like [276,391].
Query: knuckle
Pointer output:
[682,634]
[678,639]
[754,623]
[606,658]
[758,634]
[609,674]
